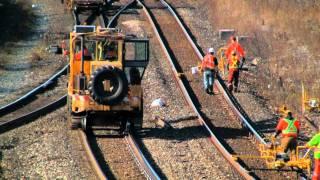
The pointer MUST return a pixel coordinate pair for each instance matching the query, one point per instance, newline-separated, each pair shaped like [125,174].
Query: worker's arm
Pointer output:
[279,128]
[297,124]
[240,50]
[315,140]
[203,63]
[276,133]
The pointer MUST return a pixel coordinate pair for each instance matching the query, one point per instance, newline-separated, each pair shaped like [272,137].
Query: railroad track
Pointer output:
[25,99]
[190,83]
[229,135]
[120,157]
[38,105]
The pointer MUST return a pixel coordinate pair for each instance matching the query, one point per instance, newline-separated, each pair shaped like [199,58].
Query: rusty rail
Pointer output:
[24,119]
[23,99]
[112,20]
[149,172]
[213,138]
[93,161]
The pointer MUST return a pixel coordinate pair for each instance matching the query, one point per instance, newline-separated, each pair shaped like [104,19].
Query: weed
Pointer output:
[285,35]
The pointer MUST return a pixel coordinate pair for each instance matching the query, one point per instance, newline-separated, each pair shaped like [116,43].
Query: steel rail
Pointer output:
[243,172]
[24,119]
[13,105]
[141,160]
[112,20]
[93,161]
[232,101]
[310,123]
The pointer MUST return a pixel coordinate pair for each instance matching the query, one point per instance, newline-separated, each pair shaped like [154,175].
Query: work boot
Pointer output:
[230,87]
[207,91]
[236,90]
[211,90]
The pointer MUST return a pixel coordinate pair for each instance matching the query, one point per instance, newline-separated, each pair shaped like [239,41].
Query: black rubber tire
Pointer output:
[117,78]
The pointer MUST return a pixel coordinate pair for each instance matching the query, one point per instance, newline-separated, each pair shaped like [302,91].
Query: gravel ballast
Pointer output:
[44,149]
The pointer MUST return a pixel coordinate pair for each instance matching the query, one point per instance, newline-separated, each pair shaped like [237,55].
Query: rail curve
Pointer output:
[242,171]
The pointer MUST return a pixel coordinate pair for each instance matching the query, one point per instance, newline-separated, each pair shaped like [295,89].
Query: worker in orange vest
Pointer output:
[208,66]
[289,127]
[235,45]
[315,143]
[233,68]
[86,54]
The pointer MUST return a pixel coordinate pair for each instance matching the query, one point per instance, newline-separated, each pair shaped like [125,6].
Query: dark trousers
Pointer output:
[233,78]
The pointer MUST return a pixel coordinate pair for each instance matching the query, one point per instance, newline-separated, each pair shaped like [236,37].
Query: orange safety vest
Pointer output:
[291,129]
[208,62]
[234,62]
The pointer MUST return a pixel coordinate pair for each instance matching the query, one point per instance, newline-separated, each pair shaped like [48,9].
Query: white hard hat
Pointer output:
[211,50]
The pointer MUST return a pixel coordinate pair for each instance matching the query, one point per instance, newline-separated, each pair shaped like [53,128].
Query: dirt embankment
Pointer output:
[285,34]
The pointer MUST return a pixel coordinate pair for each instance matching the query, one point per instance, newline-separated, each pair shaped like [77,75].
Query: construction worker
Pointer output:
[235,46]
[86,54]
[208,65]
[233,68]
[289,128]
[315,142]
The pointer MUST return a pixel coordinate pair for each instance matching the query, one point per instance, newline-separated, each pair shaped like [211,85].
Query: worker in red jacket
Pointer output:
[86,54]
[208,65]
[289,127]
[234,45]
[233,68]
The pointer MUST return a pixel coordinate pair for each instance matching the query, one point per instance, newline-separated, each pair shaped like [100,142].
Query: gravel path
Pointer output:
[44,149]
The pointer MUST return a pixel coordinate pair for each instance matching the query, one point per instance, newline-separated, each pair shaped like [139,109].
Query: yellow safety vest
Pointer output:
[291,128]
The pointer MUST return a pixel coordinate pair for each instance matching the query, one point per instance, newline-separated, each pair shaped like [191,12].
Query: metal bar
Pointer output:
[118,13]
[149,171]
[11,124]
[13,105]
[82,56]
[93,161]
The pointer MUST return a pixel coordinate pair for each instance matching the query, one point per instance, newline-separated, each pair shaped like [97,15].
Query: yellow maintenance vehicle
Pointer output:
[106,68]
[273,155]
[309,104]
